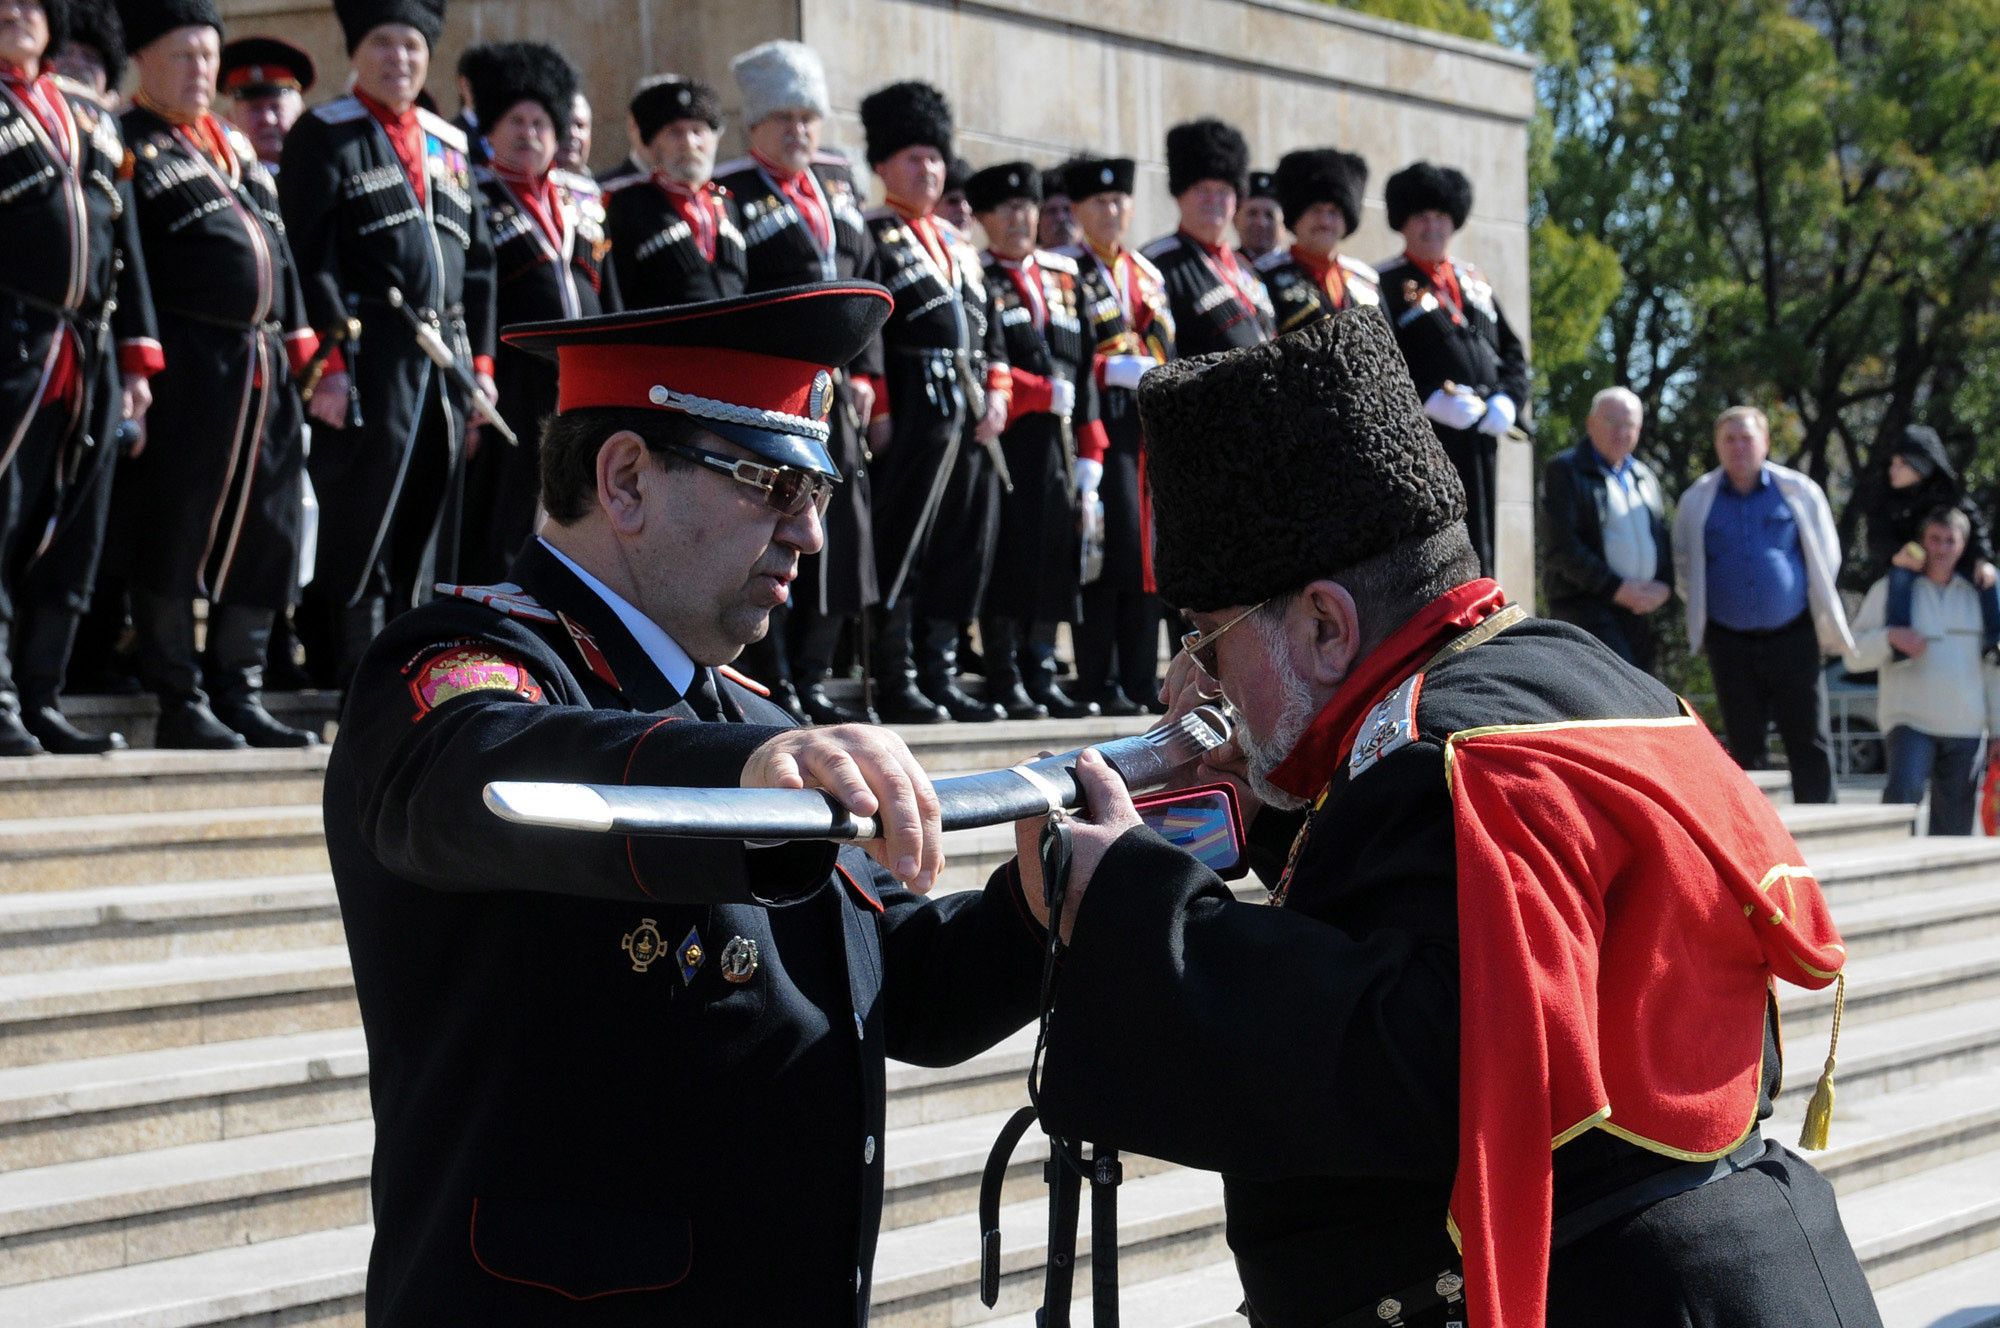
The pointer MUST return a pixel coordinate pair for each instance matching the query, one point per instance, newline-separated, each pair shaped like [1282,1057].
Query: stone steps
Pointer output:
[1925,1301]
[1883,1138]
[1885,986]
[153,781]
[130,848]
[1916,1224]
[1900,869]
[45,931]
[1889,1055]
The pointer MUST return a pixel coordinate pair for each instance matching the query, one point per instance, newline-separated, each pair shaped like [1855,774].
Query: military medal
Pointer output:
[644,943]
[1450,1289]
[690,956]
[740,960]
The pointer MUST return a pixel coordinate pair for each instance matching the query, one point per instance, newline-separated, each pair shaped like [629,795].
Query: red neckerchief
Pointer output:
[44,98]
[1027,277]
[802,192]
[1443,277]
[1328,272]
[538,196]
[1310,767]
[1223,259]
[207,137]
[696,206]
[406,138]
[924,226]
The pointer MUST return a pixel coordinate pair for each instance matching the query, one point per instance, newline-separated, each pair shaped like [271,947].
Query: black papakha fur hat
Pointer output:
[1207,150]
[1321,175]
[1420,187]
[903,114]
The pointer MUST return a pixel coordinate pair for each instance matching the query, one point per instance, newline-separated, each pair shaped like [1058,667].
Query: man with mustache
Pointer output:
[624,1082]
[1219,302]
[676,236]
[1518,897]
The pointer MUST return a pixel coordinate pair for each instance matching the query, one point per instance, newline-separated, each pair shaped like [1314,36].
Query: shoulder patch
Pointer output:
[1056,261]
[1161,247]
[461,670]
[340,110]
[1145,265]
[1390,726]
[580,185]
[744,680]
[830,157]
[619,181]
[483,175]
[1272,261]
[734,166]
[1388,265]
[443,130]
[506,598]
[1355,267]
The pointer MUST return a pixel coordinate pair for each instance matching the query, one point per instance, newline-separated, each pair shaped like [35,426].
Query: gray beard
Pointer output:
[1266,754]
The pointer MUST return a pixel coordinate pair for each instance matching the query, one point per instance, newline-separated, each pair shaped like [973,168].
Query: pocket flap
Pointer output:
[580,1251]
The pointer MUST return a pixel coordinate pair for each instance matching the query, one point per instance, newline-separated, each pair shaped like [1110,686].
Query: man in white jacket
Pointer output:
[1936,704]
[1756,556]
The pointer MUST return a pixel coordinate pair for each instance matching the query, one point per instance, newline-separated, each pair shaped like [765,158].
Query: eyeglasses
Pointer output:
[787,489]
[1201,645]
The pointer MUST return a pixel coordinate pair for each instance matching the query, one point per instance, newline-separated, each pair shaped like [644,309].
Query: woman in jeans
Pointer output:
[1936,703]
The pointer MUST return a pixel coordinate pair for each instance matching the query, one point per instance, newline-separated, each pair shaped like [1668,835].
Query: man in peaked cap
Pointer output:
[1470,369]
[676,235]
[953,205]
[1218,300]
[1057,229]
[1320,192]
[1378,1061]
[647,1087]
[266,80]
[1258,217]
[380,207]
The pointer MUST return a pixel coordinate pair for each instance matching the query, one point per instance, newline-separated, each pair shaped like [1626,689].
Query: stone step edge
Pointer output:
[123,988]
[167,902]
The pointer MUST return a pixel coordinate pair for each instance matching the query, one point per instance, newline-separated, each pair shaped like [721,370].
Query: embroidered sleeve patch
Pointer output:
[465,669]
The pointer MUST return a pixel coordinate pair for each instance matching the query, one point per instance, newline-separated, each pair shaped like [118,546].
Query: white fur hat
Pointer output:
[780,76]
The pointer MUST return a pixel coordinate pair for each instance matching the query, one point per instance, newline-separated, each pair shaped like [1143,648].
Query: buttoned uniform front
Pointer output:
[1473,347]
[389,491]
[73,292]
[540,275]
[215,511]
[1218,300]
[580,1117]
[659,258]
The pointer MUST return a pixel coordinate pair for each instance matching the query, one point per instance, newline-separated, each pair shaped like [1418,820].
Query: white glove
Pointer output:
[1500,415]
[1459,408]
[1089,474]
[1126,370]
[1062,397]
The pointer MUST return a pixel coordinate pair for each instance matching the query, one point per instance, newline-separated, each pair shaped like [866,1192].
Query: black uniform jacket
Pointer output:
[1310,1052]
[1300,299]
[539,278]
[1129,314]
[1576,503]
[580,1119]
[940,342]
[213,507]
[1212,312]
[1473,348]
[358,229]
[1035,563]
[654,249]
[782,250]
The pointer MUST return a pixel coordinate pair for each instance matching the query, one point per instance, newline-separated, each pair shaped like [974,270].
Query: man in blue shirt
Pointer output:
[1757,559]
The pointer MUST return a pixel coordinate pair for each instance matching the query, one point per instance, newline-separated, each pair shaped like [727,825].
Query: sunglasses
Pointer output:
[787,490]
[1200,645]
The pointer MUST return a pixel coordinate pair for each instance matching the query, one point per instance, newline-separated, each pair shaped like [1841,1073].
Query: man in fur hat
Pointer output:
[550,250]
[380,206]
[1057,229]
[802,222]
[217,515]
[676,236]
[1378,1059]
[77,346]
[939,411]
[1132,328]
[1470,371]
[1053,421]
[1258,218]
[953,206]
[94,55]
[1320,192]
[1218,301]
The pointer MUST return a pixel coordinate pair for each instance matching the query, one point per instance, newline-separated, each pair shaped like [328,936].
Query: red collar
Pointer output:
[775,171]
[404,120]
[1313,263]
[1324,747]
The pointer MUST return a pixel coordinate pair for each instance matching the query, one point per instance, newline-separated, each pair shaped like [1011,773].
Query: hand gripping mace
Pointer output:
[993,797]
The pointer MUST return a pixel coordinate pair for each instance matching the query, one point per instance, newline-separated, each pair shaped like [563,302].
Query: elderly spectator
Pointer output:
[1936,702]
[1606,557]
[1756,556]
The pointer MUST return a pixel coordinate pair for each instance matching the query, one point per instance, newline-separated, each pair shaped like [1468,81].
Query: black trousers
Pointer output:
[1477,457]
[1762,677]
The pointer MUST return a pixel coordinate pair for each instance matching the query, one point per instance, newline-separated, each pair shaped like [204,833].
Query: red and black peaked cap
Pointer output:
[756,370]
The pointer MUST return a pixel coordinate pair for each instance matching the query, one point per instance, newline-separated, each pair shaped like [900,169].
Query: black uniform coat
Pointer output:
[212,507]
[537,279]
[1035,562]
[654,250]
[1211,312]
[1310,1053]
[69,257]
[1300,299]
[942,335]
[843,579]
[1133,317]
[1475,348]
[357,229]
[558,1113]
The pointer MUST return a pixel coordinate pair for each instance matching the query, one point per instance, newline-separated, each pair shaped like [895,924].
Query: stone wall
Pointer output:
[1040,78]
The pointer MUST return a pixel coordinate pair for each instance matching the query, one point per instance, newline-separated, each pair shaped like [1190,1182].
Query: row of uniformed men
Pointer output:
[988,435]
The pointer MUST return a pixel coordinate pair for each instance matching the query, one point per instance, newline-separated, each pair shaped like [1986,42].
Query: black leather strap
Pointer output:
[1065,1177]
[991,1181]
[1106,1173]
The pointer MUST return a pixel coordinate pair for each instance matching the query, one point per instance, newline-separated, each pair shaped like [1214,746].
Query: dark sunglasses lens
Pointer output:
[791,490]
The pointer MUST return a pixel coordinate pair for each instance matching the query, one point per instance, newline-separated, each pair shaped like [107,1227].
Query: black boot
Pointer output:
[937,675]
[897,697]
[164,625]
[15,740]
[1002,639]
[48,631]
[282,670]
[239,640]
[1042,672]
[1113,701]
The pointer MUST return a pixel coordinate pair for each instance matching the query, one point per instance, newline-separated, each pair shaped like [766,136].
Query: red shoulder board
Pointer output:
[462,669]
[744,680]
[506,598]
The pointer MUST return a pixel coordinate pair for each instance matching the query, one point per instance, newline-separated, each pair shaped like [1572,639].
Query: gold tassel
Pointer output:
[1819,1112]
